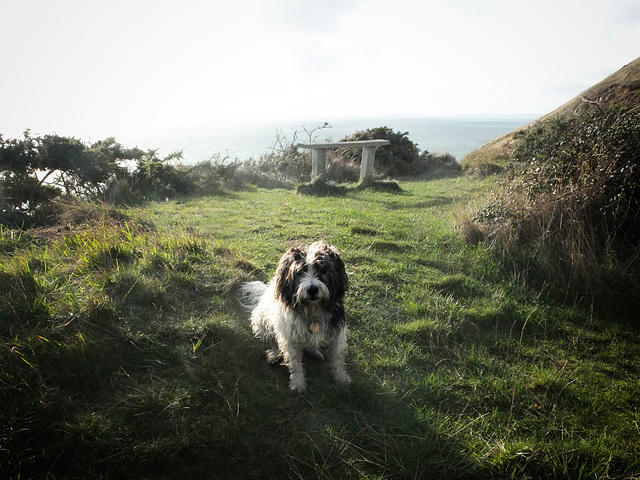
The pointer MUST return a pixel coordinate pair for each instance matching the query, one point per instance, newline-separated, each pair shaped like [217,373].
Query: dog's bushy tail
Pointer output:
[250,294]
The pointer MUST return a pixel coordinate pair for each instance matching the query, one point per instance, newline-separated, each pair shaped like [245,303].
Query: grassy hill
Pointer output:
[622,89]
[125,355]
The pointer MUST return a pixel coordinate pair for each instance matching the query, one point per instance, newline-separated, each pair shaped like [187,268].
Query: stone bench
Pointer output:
[319,155]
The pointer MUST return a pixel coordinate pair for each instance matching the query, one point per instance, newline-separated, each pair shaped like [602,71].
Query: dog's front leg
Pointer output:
[337,357]
[293,359]
[273,354]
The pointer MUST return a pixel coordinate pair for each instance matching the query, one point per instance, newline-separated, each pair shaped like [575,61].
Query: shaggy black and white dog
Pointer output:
[301,309]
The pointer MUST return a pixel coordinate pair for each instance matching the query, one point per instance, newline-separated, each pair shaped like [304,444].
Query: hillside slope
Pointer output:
[622,88]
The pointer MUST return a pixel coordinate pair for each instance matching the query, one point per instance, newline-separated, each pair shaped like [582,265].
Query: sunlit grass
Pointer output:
[125,352]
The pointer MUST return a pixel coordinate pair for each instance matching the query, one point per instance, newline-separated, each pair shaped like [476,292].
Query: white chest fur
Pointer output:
[300,328]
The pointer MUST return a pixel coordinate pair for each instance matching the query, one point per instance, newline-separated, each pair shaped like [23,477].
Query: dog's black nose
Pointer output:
[312,291]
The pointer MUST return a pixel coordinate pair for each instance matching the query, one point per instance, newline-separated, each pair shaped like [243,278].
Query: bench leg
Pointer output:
[318,161]
[366,167]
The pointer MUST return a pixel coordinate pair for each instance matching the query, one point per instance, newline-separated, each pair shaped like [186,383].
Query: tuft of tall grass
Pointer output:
[95,315]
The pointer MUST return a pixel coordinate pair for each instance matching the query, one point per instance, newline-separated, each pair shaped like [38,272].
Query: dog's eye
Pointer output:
[298,257]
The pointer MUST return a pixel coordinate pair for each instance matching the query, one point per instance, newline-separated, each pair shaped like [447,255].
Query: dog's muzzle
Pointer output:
[313,292]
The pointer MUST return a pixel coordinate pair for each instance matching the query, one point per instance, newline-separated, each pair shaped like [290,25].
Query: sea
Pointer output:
[458,136]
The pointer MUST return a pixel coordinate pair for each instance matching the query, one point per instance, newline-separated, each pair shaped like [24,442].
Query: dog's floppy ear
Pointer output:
[342,282]
[330,257]
[285,274]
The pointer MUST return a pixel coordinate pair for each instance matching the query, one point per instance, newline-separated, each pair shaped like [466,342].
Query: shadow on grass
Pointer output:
[194,397]
[438,201]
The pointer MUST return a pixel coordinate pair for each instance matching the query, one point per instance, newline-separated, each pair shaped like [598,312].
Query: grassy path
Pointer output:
[138,362]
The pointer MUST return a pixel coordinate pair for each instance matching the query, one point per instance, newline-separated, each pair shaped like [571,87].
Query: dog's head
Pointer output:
[311,278]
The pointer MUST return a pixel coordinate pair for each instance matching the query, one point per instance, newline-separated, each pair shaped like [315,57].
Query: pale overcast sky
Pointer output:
[83,67]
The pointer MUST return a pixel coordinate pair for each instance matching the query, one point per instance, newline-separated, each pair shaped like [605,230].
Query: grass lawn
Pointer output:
[125,353]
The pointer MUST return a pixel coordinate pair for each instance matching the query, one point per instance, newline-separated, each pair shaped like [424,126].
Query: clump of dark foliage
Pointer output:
[36,172]
[569,214]
[402,157]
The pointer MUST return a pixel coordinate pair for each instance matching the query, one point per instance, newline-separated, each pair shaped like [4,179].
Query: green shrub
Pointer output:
[402,157]
[393,159]
[34,171]
[589,164]
[568,215]
[436,163]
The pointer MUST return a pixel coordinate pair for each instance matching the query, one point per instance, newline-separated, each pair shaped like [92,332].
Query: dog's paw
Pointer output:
[341,376]
[297,387]
[273,356]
